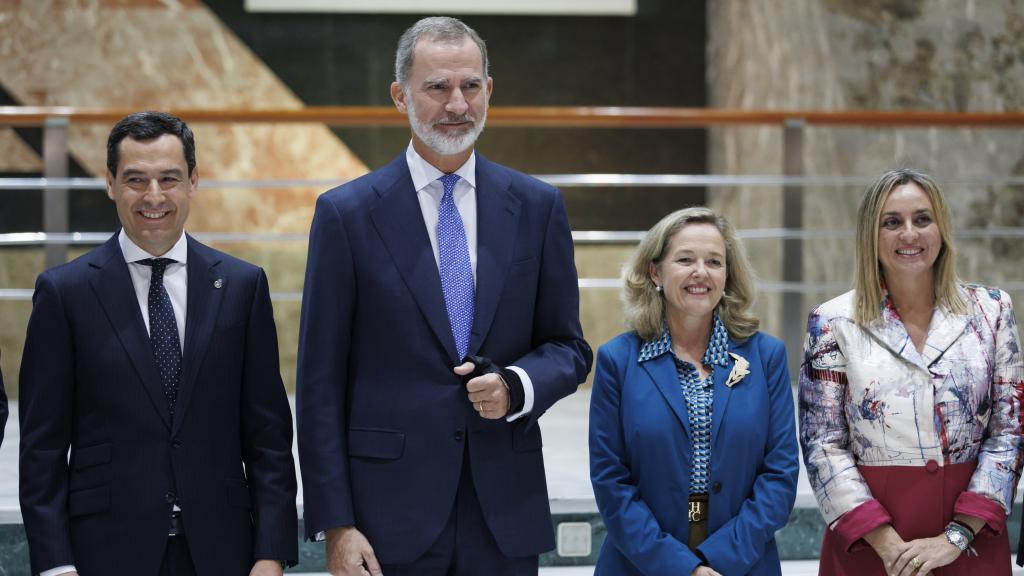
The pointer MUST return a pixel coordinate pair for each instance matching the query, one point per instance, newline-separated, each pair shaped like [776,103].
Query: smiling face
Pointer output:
[152,189]
[445,97]
[909,239]
[692,272]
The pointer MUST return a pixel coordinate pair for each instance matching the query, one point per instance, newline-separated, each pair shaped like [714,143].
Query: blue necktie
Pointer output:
[163,331]
[456,269]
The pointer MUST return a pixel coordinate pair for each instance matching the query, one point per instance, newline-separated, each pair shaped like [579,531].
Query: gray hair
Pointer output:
[438,29]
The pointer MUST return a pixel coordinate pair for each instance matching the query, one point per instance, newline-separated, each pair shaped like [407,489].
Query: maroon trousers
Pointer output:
[921,504]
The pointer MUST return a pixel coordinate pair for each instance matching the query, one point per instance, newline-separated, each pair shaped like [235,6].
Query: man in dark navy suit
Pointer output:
[440,319]
[154,360]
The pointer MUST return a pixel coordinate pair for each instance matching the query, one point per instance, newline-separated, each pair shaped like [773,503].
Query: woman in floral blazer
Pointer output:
[910,400]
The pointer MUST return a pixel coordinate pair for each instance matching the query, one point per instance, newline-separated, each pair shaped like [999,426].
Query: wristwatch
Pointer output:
[957,538]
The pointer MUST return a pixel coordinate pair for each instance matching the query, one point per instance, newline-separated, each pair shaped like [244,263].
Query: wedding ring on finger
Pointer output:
[479,406]
[916,563]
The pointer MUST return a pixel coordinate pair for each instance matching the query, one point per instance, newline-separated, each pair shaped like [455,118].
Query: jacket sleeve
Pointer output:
[3,409]
[990,493]
[46,393]
[267,436]
[632,527]
[328,301]
[560,358]
[841,491]
[739,543]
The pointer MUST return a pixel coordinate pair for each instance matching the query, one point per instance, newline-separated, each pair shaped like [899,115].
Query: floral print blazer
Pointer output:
[867,397]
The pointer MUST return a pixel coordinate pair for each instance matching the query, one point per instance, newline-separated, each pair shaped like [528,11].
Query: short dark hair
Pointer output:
[147,126]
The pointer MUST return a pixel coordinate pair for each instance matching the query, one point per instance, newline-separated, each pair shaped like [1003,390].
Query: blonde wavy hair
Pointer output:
[645,306]
[867,283]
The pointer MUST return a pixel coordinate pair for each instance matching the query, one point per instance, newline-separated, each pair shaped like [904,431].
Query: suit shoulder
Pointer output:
[767,344]
[358,191]
[72,272]
[987,299]
[530,185]
[980,293]
[840,307]
[622,344]
[226,262]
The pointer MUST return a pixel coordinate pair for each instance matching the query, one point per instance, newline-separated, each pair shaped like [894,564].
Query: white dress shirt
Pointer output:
[175,278]
[176,284]
[428,193]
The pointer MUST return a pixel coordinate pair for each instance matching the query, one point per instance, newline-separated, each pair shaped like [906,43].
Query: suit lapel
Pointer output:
[943,331]
[721,393]
[662,371]
[399,221]
[497,222]
[113,287]
[205,292]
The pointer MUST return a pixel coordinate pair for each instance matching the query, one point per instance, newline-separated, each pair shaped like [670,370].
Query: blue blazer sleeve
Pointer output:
[328,302]
[560,358]
[631,525]
[738,544]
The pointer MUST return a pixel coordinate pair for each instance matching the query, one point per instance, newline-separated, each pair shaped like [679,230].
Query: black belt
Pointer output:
[177,526]
[698,519]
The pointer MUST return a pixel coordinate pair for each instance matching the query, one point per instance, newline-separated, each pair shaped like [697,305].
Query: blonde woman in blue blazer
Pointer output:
[693,452]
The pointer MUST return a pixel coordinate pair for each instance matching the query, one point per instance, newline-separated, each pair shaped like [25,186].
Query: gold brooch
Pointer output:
[739,370]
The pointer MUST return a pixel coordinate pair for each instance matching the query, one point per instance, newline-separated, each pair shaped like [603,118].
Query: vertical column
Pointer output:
[55,201]
[793,313]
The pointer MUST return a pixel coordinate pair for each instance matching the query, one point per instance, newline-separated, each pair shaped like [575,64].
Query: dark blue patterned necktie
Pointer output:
[163,331]
[455,266]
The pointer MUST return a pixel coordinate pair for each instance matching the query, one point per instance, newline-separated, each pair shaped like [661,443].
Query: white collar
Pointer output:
[132,252]
[424,173]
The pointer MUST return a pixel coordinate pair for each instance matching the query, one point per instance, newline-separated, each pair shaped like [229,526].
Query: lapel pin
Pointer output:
[739,370]
[218,283]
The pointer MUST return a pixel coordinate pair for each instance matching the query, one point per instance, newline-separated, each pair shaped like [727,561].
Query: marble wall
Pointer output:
[150,54]
[942,55]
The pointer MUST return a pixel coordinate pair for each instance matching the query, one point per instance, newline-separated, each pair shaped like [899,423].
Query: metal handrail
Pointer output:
[564,180]
[580,237]
[534,116]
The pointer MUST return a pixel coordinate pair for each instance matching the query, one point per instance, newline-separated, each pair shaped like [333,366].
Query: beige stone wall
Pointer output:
[944,55]
[150,54]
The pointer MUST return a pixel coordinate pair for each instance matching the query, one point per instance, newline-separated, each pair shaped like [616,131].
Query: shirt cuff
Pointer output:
[855,524]
[59,570]
[527,394]
[973,504]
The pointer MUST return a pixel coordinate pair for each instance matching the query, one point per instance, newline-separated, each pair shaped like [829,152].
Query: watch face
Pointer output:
[957,539]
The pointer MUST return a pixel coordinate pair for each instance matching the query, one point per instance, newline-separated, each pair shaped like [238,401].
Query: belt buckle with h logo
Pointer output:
[698,511]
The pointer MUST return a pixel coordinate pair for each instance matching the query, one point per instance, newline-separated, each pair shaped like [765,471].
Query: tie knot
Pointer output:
[158,264]
[448,181]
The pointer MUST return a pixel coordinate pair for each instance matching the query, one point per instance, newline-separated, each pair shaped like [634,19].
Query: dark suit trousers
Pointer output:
[177,558]
[465,546]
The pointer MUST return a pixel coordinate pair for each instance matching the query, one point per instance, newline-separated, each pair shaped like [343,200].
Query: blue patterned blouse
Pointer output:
[697,393]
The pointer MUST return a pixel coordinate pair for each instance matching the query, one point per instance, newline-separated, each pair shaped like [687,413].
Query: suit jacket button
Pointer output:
[716,487]
[170,497]
[176,444]
[932,466]
[459,434]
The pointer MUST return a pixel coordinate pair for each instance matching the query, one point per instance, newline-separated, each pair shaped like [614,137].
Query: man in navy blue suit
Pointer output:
[153,358]
[440,319]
